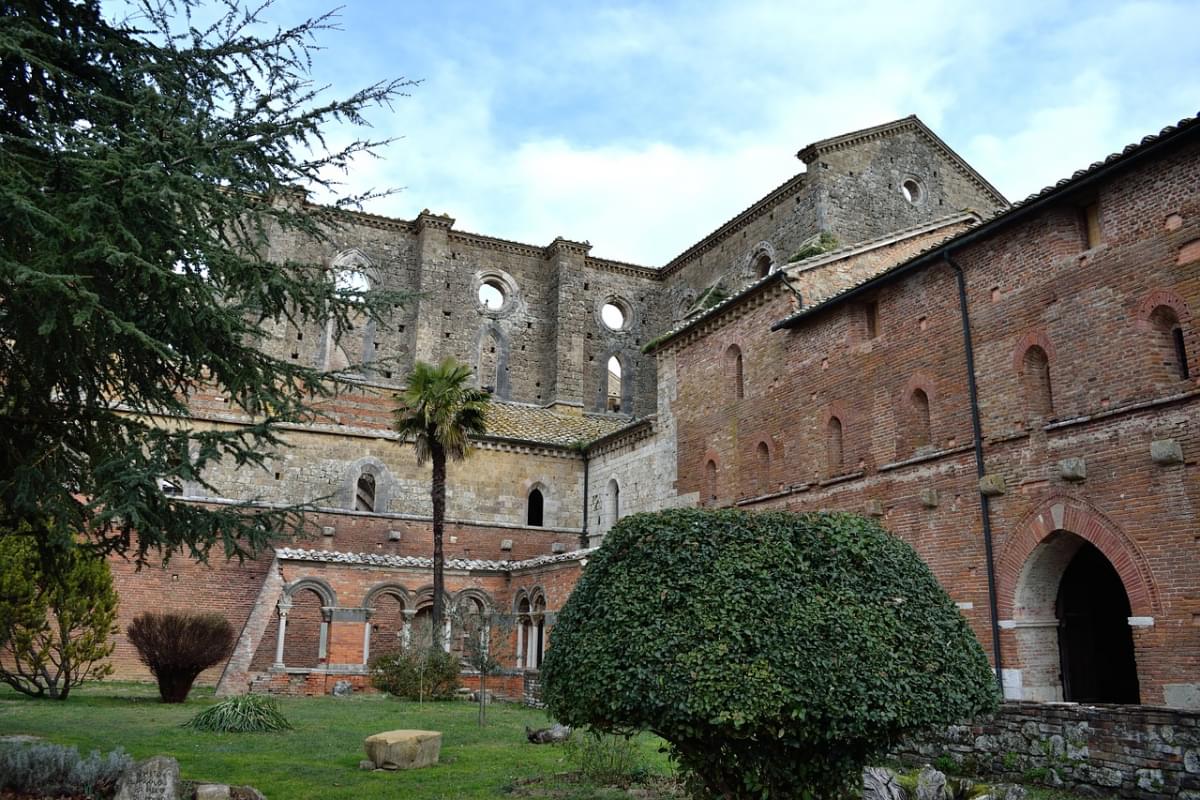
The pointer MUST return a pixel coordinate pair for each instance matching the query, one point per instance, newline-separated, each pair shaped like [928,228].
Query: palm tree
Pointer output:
[439,412]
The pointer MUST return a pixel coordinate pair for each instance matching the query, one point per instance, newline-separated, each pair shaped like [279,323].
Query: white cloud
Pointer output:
[643,130]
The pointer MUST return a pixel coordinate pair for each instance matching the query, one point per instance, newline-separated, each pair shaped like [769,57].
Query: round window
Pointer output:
[912,191]
[491,295]
[614,317]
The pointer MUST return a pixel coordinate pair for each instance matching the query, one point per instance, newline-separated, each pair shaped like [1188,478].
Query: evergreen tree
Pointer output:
[438,412]
[144,164]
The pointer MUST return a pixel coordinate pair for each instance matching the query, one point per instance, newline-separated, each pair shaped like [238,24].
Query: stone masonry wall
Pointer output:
[1126,751]
[858,188]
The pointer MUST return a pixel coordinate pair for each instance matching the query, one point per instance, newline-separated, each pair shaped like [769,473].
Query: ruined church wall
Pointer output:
[858,188]
[637,471]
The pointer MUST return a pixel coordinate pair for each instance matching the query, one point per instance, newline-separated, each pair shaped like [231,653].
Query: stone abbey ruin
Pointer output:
[1011,388]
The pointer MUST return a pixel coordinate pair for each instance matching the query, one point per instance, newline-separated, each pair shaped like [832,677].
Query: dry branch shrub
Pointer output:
[177,647]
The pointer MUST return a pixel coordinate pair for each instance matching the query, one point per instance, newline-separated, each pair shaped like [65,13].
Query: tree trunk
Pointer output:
[438,495]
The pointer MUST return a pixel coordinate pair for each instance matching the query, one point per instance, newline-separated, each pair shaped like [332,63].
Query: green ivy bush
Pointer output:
[416,673]
[777,653]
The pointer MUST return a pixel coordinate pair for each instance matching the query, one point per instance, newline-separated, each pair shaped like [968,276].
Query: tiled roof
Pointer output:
[547,426]
[421,562]
[1001,218]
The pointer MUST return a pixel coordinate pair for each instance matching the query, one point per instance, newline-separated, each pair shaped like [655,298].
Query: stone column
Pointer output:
[406,631]
[323,645]
[285,605]
[573,320]
[520,644]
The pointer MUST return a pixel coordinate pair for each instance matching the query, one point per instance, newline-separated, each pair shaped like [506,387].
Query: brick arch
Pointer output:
[919,380]
[1157,298]
[474,594]
[705,497]
[387,587]
[424,596]
[1073,515]
[1035,338]
[319,585]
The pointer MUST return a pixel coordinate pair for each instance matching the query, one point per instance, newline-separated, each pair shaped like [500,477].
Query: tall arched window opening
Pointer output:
[533,514]
[733,372]
[364,493]
[1172,349]
[614,386]
[487,374]
[921,434]
[1039,398]
[614,501]
[710,482]
[763,473]
[834,453]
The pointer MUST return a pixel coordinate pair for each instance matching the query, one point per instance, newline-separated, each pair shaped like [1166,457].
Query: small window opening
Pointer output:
[833,446]
[871,317]
[1180,352]
[534,515]
[1171,342]
[710,482]
[763,266]
[491,295]
[920,407]
[1091,225]
[733,372]
[364,495]
[614,384]
[614,501]
[1039,397]
[913,191]
[764,468]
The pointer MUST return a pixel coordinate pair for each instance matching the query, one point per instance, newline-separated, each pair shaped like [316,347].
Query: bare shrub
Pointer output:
[177,647]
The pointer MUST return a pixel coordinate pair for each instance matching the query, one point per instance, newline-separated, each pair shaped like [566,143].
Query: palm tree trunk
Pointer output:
[438,495]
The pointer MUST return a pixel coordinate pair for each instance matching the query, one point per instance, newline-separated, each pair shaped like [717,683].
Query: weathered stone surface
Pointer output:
[403,749]
[366,763]
[931,785]
[555,733]
[1166,452]
[155,778]
[1008,791]
[992,485]
[1073,470]
[212,791]
[342,688]
[879,783]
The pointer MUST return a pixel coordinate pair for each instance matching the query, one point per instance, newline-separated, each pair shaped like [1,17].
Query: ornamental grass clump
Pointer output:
[777,653]
[247,713]
[177,647]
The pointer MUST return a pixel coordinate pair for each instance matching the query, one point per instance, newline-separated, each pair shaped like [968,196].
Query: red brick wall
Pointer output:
[1030,283]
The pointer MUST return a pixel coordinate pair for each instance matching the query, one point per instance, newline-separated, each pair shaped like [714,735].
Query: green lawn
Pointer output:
[319,758]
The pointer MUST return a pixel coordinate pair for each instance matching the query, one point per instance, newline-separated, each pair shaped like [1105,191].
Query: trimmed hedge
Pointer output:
[776,652]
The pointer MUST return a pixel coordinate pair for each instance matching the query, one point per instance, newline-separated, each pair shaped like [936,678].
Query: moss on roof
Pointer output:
[547,425]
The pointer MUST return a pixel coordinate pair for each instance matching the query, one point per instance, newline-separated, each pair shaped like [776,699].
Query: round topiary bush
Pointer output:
[776,652]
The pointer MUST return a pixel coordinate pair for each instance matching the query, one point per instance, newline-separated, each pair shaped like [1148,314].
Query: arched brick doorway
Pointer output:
[1071,588]
[1095,643]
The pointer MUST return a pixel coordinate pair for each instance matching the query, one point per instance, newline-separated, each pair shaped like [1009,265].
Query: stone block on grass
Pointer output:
[404,749]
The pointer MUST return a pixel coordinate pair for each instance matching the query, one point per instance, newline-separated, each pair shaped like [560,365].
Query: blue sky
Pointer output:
[640,127]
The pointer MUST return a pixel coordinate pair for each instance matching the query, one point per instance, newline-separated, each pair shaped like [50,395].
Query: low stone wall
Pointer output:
[1123,751]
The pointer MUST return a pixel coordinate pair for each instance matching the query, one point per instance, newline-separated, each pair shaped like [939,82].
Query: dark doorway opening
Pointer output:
[1094,639]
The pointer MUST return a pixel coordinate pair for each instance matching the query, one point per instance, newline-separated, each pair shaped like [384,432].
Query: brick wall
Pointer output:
[1033,283]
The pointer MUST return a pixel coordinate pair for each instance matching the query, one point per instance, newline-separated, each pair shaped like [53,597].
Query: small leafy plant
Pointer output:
[247,713]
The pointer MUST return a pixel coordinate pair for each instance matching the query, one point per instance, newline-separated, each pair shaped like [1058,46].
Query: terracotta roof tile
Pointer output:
[548,426]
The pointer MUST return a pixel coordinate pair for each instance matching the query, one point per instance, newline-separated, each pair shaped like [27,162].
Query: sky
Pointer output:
[642,126]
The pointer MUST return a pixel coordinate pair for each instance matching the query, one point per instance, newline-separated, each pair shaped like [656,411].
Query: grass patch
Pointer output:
[319,757]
